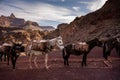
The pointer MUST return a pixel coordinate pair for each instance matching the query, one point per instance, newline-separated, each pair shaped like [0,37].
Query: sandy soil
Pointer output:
[95,70]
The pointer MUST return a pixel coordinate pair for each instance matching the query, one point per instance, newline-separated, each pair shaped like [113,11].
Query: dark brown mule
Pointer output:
[15,52]
[72,49]
[109,45]
[5,52]
[12,51]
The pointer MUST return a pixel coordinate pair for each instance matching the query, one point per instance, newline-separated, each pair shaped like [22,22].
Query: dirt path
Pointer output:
[95,70]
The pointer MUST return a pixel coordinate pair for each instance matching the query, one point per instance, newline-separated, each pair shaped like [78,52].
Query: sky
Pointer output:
[49,12]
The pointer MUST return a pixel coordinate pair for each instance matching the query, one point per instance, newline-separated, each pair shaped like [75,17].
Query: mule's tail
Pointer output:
[63,51]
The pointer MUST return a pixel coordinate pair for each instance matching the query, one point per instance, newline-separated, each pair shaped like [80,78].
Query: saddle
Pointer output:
[41,46]
[82,46]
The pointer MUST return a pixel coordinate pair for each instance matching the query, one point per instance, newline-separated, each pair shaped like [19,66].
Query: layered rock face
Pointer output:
[12,34]
[105,21]
[17,29]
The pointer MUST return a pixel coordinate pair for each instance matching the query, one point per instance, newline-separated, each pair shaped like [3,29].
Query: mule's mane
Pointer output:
[92,41]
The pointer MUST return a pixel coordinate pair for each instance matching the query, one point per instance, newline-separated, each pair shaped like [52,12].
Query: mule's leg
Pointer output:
[108,57]
[8,57]
[82,63]
[117,50]
[14,59]
[5,56]
[106,61]
[67,62]
[30,61]
[64,61]
[35,62]
[46,61]
[1,54]
[64,56]
[13,62]
[84,60]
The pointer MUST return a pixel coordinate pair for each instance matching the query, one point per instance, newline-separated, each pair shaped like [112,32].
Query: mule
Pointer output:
[5,51]
[36,48]
[2,53]
[79,49]
[15,53]
[109,45]
[117,46]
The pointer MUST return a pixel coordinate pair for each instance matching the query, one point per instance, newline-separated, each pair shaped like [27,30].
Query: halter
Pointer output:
[60,42]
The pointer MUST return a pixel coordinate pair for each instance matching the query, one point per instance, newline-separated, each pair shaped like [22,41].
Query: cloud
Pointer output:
[37,11]
[76,8]
[57,0]
[62,0]
[94,4]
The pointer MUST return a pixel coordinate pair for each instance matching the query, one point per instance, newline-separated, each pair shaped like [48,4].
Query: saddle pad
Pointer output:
[81,46]
[39,46]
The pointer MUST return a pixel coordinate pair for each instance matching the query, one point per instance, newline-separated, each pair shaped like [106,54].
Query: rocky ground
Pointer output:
[95,70]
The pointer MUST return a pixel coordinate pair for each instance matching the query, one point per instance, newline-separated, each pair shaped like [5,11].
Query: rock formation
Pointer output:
[96,24]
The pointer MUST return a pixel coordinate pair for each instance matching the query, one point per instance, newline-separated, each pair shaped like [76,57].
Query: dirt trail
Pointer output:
[95,70]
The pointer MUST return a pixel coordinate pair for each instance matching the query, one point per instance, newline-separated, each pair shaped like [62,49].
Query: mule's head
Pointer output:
[56,42]
[18,47]
[60,42]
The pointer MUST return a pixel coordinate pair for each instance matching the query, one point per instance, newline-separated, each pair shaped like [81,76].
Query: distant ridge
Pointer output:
[47,28]
[13,21]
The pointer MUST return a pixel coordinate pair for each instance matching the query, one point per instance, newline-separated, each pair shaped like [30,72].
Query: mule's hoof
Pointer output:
[47,67]
[110,61]
[110,65]
[13,69]
[30,67]
[82,64]
[107,63]
[85,64]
